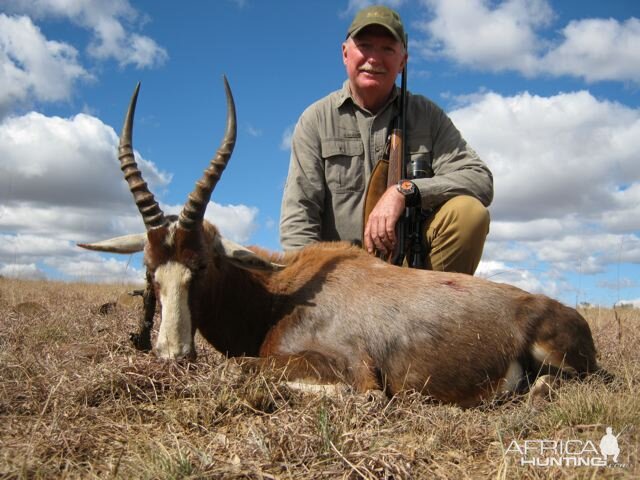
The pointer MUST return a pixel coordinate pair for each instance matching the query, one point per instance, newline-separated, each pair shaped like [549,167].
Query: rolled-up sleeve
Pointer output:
[304,191]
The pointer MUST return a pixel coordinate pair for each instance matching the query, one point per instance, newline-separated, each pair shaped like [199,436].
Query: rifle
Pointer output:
[410,241]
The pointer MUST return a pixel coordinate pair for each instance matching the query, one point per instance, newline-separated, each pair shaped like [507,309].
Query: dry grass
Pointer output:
[76,401]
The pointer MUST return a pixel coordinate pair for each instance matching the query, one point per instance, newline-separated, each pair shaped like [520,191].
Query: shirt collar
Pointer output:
[344,94]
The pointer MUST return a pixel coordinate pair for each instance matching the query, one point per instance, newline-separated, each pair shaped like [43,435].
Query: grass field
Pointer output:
[77,401]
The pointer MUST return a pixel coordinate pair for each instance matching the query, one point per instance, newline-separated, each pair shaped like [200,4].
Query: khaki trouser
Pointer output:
[455,235]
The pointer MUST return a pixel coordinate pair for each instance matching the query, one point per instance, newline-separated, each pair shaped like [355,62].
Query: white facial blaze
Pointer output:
[175,339]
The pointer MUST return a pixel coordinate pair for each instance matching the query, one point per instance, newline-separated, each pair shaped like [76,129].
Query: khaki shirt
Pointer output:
[334,149]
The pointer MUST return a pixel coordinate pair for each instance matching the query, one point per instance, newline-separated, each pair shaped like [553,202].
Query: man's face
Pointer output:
[373,60]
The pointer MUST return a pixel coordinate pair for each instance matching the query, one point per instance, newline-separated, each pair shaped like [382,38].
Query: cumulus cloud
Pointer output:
[510,35]
[236,222]
[24,271]
[91,267]
[111,24]
[31,256]
[27,248]
[51,163]
[566,178]
[32,66]
[571,153]
[60,183]
[477,35]
[526,279]
[597,49]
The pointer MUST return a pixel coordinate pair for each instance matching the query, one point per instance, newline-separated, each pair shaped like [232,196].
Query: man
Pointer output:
[339,139]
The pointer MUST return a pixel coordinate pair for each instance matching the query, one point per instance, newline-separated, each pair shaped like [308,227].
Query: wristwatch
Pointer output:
[410,192]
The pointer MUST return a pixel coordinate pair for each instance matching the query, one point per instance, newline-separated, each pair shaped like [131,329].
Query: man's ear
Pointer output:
[344,52]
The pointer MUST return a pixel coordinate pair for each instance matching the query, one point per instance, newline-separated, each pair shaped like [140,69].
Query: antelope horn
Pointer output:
[147,206]
[193,211]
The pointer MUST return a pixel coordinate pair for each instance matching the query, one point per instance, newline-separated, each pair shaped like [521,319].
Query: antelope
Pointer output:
[330,313]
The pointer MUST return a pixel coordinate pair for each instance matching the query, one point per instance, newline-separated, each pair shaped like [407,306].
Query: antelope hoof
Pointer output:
[140,342]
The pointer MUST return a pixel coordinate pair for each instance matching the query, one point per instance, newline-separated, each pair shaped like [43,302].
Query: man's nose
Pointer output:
[375,55]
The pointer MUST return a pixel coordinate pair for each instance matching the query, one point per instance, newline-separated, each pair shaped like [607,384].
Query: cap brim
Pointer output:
[359,29]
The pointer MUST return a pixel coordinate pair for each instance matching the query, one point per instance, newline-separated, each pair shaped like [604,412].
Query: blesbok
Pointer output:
[330,312]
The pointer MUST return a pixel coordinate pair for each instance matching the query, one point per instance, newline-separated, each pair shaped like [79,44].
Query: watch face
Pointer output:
[407,187]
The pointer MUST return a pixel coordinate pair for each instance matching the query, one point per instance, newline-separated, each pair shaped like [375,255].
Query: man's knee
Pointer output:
[472,216]
[466,215]
[456,234]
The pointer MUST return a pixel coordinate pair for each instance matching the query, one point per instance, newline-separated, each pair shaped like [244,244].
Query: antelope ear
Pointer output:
[125,244]
[243,257]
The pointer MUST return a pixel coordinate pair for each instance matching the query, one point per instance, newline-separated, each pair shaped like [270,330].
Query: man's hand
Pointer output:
[380,231]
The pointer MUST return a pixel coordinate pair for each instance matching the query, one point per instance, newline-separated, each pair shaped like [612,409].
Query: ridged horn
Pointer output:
[192,213]
[147,206]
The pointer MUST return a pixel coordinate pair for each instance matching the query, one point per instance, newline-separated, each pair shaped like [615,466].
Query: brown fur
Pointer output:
[337,314]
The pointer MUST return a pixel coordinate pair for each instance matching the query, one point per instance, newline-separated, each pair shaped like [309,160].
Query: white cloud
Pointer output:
[62,174]
[110,23]
[287,135]
[566,180]
[627,216]
[28,248]
[92,267]
[509,35]
[25,256]
[81,224]
[538,229]
[24,271]
[473,33]
[597,49]
[527,280]
[588,252]
[32,66]
[236,222]
[556,157]
[634,303]
[60,183]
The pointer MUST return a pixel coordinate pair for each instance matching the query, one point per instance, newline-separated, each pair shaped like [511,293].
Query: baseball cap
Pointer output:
[378,15]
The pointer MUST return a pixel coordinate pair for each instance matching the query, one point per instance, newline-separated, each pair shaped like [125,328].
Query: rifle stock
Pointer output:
[410,242]
[397,172]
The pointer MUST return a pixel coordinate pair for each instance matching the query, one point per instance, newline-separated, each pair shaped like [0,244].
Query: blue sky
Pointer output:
[546,91]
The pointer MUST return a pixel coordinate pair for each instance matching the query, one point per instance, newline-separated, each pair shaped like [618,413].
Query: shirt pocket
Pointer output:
[343,164]
[420,157]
